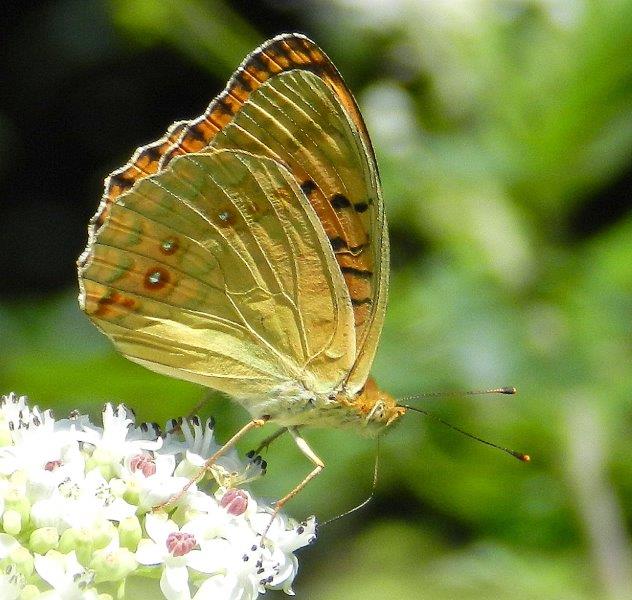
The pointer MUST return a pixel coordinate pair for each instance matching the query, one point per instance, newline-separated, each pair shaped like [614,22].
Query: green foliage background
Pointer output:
[504,135]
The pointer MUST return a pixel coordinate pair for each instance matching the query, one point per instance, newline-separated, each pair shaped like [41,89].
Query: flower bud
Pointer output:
[78,540]
[113,565]
[23,560]
[15,500]
[30,592]
[235,502]
[44,539]
[102,533]
[12,522]
[130,533]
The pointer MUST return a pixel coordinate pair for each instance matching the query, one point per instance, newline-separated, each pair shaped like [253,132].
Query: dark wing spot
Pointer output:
[225,218]
[169,245]
[156,278]
[338,201]
[358,249]
[361,301]
[357,272]
[224,106]
[337,243]
[113,298]
[195,132]
[245,81]
[361,207]
[121,180]
[308,187]
[257,63]
[152,153]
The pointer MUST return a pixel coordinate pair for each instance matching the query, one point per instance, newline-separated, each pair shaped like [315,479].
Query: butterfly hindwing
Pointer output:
[215,270]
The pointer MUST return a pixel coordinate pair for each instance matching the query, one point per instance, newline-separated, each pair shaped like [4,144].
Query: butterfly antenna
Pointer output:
[371,495]
[499,390]
[519,455]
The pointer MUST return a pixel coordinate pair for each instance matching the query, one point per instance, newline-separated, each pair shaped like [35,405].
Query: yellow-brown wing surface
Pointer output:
[288,102]
[216,270]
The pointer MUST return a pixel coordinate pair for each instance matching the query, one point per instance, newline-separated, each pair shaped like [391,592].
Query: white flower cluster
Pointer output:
[76,519]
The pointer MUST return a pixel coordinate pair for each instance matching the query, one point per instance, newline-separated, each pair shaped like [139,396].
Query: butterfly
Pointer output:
[247,249]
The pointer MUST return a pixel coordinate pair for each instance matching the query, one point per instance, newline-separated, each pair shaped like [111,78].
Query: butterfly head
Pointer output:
[377,408]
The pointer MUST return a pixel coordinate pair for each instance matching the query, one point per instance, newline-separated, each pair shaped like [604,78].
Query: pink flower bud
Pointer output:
[180,543]
[235,502]
[143,463]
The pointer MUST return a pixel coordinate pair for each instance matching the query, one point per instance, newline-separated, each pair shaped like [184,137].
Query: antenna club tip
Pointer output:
[508,390]
[523,457]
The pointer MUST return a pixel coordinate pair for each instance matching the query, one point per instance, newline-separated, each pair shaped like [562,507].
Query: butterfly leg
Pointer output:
[319,465]
[213,459]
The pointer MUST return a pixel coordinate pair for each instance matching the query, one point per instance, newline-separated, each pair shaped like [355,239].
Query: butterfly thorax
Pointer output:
[369,411]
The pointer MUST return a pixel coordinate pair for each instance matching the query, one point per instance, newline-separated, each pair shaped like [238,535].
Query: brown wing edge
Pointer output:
[279,54]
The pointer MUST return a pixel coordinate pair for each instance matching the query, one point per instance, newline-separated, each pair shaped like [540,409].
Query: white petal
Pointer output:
[50,570]
[174,583]
[222,587]
[93,480]
[158,527]
[119,510]
[48,513]
[200,561]
[58,569]
[8,590]
[7,544]
[165,464]
[150,553]
[155,491]
[42,484]
[195,459]
[8,461]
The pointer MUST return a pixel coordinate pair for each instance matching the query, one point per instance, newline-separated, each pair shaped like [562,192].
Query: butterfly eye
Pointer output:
[377,412]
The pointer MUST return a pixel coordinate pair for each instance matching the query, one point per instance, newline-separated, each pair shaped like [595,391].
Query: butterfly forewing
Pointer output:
[216,270]
[295,118]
